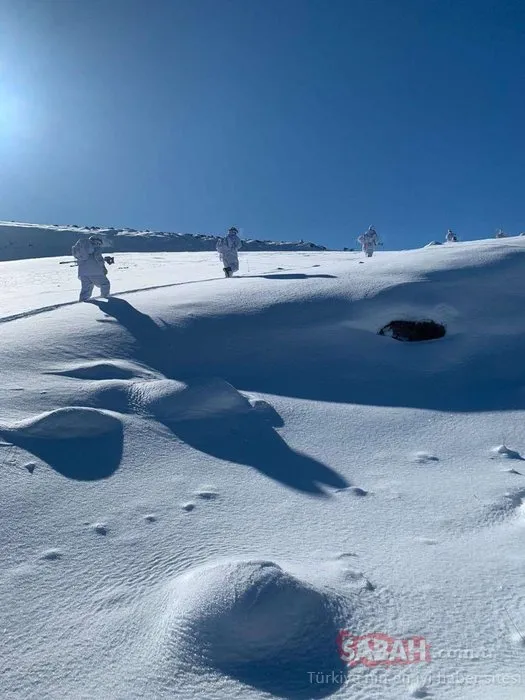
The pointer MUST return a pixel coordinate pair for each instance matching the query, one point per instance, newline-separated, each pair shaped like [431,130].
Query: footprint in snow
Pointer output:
[207,493]
[100,529]
[51,555]
[424,458]
[188,507]
[30,466]
[150,518]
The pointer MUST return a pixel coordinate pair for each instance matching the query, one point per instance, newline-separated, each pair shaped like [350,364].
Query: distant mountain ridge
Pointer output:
[19,241]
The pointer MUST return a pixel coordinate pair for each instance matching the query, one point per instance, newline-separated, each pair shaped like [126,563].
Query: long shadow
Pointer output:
[248,439]
[291,276]
[140,325]
[151,338]
[245,438]
[83,459]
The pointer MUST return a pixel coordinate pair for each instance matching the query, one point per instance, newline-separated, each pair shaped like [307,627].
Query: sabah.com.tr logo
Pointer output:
[377,649]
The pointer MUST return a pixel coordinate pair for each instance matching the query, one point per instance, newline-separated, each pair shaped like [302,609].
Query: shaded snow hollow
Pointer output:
[204,483]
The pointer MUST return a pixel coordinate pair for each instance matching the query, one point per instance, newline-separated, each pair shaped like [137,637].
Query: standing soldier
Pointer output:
[228,248]
[369,241]
[92,271]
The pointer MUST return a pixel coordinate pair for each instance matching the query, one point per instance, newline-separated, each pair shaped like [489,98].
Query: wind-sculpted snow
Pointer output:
[257,623]
[80,443]
[65,424]
[204,485]
[114,369]
[169,400]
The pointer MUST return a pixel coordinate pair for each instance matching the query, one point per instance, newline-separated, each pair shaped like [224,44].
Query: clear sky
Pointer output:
[289,118]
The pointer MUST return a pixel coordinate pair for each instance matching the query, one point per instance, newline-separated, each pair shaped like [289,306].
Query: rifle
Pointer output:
[108,258]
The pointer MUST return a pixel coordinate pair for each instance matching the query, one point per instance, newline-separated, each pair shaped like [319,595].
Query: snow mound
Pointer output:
[173,401]
[65,423]
[255,621]
[85,444]
[506,453]
[110,369]
[508,508]
[167,400]
[354,491]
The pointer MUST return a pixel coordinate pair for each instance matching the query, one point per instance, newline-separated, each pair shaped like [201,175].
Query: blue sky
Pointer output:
[289,118]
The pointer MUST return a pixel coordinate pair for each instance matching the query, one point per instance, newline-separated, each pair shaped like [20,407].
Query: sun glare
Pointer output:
[15,118]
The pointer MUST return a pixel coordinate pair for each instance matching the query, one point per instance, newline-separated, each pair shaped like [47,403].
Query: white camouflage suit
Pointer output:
[369,241]
[228,248]
[91,269]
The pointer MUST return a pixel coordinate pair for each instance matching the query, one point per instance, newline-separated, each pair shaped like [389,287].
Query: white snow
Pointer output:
[63,423]
[56,284]
[205,480]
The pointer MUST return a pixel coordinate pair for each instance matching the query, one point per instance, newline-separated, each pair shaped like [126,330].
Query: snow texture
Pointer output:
[204,480]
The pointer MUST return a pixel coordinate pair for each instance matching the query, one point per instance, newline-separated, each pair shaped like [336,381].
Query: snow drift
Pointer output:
[255,622]
[204,482]
[64,423]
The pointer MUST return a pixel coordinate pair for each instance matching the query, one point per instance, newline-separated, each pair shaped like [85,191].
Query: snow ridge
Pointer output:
[21,241]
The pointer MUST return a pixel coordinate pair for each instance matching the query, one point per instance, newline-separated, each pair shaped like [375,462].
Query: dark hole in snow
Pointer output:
[414,331]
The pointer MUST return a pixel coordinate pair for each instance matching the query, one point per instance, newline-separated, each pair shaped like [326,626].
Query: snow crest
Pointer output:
[170,400]
[65,423]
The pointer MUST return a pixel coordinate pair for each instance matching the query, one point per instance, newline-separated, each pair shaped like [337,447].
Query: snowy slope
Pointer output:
[203,483]
[55,280]
[19,241]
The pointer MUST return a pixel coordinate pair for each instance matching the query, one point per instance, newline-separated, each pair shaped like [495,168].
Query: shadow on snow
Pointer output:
[245,438]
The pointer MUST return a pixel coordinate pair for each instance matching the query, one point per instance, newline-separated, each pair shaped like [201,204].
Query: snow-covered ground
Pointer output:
[53,281]
[203,483]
